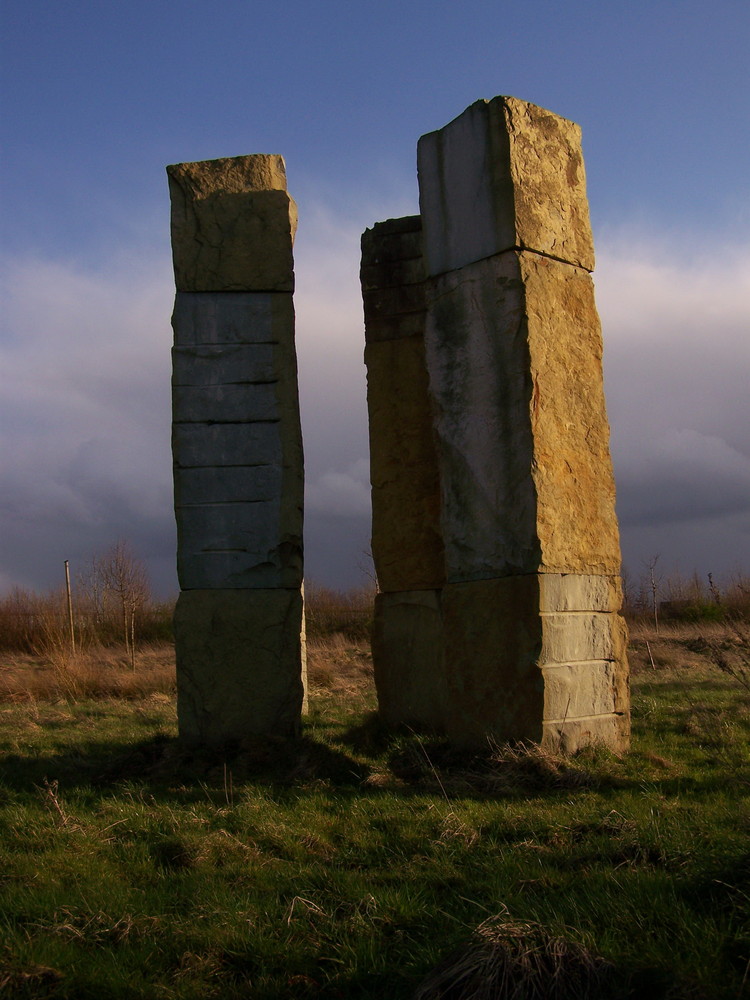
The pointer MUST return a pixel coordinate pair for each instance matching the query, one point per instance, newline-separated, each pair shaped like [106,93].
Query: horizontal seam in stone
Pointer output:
[223,385]
[499,253]
[204,552]
[242,465]
[222,503]
[189,345]
[581,718]
[571,663]
[225,423]
[220,468]
[586,611]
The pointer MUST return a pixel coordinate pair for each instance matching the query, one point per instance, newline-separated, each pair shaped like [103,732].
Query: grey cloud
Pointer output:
[677,368]
[683,475]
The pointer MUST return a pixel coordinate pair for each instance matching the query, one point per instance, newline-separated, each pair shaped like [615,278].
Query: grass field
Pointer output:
[352,862]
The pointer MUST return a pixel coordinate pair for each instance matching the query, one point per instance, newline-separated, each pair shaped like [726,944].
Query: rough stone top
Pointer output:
[504,174]
[233,225]
[230,175]
[408,224]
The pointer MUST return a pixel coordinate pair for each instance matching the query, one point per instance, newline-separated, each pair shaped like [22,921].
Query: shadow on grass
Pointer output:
[368,758]
[169,769]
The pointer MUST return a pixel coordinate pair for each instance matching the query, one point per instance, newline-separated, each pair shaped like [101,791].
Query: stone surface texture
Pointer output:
[238,664]
[518,673]
[494,530]
[237,451]
[223,211]
[505,174]
[514,355]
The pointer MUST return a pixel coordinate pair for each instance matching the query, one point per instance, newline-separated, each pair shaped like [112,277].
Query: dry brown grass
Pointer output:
[340,666]
[676,645]
[337,665]
[97,672]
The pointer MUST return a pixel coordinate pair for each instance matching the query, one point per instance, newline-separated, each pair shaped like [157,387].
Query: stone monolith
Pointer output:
[526,642]
[237,451]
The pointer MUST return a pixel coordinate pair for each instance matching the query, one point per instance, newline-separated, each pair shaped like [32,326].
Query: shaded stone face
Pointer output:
[238,467]
[407,543]
[239,656]
[519,672]
[513,347]
[409,654]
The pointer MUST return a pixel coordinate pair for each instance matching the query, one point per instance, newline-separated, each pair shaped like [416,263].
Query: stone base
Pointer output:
[239,669]
[611,731]
[538,658]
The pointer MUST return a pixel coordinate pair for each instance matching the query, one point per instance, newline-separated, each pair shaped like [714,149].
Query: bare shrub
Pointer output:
[112,605]
[122,580]
[694,598]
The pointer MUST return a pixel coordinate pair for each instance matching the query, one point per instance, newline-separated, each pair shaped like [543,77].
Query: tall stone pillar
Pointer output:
[237,451]
[531,643]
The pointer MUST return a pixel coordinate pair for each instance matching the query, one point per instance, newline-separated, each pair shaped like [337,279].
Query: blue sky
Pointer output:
[97,98]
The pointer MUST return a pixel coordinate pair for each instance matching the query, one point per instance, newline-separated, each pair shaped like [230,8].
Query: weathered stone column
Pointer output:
[237,450]
[407,545]
[494,532]
[534,646]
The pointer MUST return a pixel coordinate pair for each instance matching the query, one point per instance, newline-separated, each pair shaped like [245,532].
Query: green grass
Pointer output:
[351,862]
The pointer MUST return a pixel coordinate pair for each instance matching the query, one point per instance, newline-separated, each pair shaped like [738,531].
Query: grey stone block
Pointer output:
[212,445]
[581,635]
[504,174]
[240,570]
[224,403]
[238,655]
[480,382]
[579,592]
[229,364]
[611,730]
[223,484]
[251,528]
[233,225]
[408,658]
[575,690]
[223,318]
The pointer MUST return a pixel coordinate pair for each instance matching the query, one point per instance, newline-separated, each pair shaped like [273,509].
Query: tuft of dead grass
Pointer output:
[329,611]
[517,960]
[19,979]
